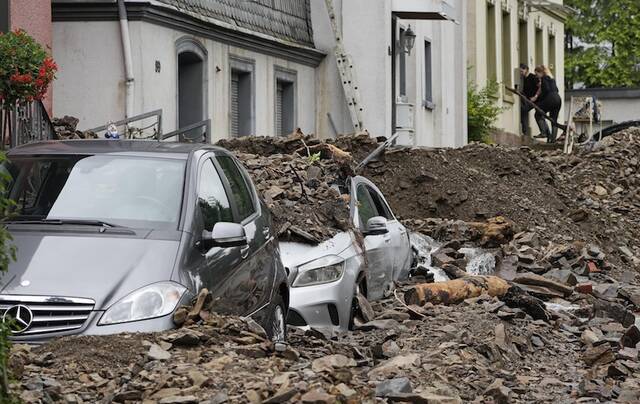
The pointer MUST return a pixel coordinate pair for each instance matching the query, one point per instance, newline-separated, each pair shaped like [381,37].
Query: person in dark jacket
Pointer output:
[548,99]
[529,90]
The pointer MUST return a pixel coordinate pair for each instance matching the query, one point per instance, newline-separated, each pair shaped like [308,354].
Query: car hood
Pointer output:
[294,254]
[98,267]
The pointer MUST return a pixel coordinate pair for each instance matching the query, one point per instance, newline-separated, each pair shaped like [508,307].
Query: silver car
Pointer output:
[326,278]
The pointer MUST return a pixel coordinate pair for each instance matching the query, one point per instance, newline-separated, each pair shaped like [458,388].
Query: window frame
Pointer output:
[369,199]
[375,194]
[288,76]
[242,65]
[255,202]
[427,95]
[225,186]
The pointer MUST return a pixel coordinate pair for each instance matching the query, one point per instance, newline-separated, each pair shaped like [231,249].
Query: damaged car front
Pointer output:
[327,280]
[114,236]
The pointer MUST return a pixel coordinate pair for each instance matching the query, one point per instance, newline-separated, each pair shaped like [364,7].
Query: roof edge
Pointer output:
[167,16]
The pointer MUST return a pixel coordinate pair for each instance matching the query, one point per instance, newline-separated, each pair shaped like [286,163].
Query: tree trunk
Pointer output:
[456,291]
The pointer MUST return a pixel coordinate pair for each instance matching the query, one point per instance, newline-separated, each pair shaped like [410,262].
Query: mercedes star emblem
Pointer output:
[18,317]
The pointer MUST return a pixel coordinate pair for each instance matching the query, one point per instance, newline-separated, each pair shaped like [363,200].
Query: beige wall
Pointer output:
[480,55]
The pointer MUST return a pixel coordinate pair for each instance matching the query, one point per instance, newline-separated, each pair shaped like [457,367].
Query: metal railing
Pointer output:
[192,133]
[132,132]
[24,123]
[196,132]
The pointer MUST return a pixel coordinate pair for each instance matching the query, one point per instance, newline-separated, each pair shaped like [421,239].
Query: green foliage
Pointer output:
[314,157]
[7,254]
[482,111]
[604,43]
[25,69]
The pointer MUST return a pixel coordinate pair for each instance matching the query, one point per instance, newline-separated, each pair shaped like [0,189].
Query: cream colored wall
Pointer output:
[509,119]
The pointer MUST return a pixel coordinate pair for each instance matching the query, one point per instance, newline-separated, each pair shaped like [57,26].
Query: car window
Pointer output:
[212,198]
[366,209]
[380,204]
[241,192]
[126,190]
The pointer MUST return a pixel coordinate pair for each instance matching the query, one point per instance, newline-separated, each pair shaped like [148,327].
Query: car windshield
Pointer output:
[137,192]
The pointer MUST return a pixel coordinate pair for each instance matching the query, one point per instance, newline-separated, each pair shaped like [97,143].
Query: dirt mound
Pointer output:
[605,178]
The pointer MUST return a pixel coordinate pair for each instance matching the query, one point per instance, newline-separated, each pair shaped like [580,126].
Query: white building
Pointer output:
[262,67]
[618,104]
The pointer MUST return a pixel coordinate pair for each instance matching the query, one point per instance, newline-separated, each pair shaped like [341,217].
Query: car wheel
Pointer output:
[277,326]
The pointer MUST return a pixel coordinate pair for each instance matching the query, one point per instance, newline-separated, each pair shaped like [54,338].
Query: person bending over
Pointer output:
[548,99]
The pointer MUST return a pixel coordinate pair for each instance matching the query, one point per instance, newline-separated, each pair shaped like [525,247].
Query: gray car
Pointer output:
[326,278]
[112,236]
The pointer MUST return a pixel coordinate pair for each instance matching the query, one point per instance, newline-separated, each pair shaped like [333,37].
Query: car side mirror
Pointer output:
[376,226]
[223,235]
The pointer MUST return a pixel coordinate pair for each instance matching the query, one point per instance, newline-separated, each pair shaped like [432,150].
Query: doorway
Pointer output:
[192,85]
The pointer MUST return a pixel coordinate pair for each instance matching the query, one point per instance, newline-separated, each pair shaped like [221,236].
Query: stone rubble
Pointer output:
[565,332]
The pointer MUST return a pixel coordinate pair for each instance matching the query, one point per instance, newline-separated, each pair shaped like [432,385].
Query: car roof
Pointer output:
[97,146]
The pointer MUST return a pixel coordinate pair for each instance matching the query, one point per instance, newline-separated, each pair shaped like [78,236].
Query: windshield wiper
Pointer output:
[80,222]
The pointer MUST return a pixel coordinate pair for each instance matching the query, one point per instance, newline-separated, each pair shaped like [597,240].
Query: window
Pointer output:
[242,195]
[492,58]
[4,15]
[381,206]
[285,102]
[428,74]
[130,191]
[552,54]
[523,40]
[242,97]
[212,198]
[366,208]
[402,67]
[507,74]
[539,47]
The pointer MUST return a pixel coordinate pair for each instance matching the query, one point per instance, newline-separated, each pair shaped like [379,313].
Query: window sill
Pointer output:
[426,104]
[507,96]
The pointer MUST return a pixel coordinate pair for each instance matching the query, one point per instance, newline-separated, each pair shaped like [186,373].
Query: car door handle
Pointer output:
[244,251]
[387,239]
[266,231]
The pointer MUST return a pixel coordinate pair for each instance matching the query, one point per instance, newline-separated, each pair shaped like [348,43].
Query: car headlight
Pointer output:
[323,270]
[151,301]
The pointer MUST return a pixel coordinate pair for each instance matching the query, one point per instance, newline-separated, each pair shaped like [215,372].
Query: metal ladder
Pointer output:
[347,72]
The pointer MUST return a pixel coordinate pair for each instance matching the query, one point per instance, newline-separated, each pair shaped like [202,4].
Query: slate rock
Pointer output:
[393,386]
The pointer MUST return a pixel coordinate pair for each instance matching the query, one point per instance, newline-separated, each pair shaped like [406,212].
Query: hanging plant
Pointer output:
[26,71]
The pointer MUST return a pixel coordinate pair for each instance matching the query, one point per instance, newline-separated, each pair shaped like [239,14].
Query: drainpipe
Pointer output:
[128,67]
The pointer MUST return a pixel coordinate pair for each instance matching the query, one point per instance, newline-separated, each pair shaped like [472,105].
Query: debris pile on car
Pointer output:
[302,181]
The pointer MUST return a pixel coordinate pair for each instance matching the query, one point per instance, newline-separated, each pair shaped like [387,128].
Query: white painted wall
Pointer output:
[367,37]
[79,49]
[91,79]
[90,84]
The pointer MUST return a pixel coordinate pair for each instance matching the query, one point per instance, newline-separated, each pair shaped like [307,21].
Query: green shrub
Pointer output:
[482,111]
[7,254]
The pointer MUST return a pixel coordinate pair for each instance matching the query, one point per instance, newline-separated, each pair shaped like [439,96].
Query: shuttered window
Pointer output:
[279,94]
[241,97]
[234,104]
[285,96]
